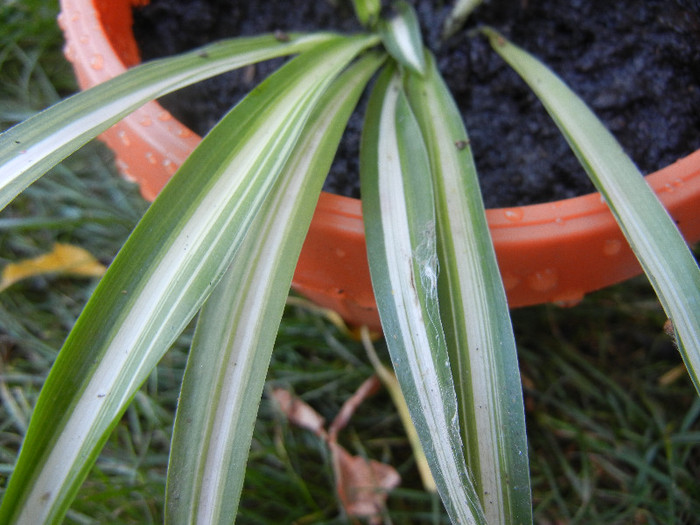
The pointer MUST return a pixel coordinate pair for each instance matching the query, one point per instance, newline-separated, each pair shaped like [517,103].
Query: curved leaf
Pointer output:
[399,218]
[474,311]
[402,39]
[30,148]
[651,232]
[162,275]
[237,327]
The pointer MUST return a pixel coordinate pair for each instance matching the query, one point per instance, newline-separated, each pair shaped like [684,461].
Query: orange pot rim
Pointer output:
[552,252]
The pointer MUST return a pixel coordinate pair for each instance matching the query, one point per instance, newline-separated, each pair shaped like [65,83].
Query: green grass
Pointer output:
[613,430]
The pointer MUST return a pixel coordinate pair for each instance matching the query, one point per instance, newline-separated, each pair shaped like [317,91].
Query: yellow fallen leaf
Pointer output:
[64,259]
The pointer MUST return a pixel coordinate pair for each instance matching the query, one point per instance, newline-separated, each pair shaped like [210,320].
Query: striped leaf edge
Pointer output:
[656,241]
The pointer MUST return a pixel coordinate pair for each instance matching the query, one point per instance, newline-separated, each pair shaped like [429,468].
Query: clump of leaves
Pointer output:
[223,237]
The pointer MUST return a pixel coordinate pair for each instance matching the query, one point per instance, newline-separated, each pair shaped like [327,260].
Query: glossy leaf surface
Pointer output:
[667,262]
[160,278]
[236,329]
[399,216]
[30,148]
[475,313]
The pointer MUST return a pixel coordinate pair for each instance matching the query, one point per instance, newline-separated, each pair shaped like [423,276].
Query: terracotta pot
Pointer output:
[554,252]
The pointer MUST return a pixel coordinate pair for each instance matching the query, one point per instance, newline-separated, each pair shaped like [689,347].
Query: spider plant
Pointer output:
[221,241]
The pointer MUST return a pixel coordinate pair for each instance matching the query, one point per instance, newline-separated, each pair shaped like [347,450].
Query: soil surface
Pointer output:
[635,62]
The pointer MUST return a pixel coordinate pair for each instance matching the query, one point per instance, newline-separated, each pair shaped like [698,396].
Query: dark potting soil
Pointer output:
[635,62]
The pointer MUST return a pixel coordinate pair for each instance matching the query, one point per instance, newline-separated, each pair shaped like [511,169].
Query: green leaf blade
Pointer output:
[457,16]
[475,312]
[231,351]
[402,38]
[649,229]
[166,269]
[399,216]
[32,147]
[367,11]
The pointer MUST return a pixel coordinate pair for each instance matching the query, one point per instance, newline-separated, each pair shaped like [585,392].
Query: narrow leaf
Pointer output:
[237,327]
[651,232]
[30,148]
[399,217]
[161,277]
[458,15]
[402,39]
[390,382]
[367,11]
[475,313]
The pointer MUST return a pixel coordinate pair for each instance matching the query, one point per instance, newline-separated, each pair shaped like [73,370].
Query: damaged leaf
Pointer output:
[362,485]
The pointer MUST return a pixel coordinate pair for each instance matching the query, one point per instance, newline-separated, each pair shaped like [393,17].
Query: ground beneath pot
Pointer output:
[635,62]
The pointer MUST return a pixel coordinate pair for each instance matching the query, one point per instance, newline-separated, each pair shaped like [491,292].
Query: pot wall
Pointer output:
[554,252]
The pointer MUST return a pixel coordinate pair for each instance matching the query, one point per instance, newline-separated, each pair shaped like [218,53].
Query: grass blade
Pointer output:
[30,148]
[474,311]
[160,278]
[651,232]
[237,326]
[399,218]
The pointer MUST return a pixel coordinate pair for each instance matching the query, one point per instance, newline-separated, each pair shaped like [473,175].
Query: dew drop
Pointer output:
[513,214]
[124,138]
[97,62]
[146,121]
[69,53]
[543,280]
[84,39]
[169,166]
[510,281]
[612,247]
[151,158]
[570,302]
[184,133]
[164,116]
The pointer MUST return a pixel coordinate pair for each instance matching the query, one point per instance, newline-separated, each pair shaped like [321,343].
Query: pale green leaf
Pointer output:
[30,148]
[399,217]
[402,39]
[367,11]
[650,231]
[236,330]
[475,313]
[458,15]
[160,278]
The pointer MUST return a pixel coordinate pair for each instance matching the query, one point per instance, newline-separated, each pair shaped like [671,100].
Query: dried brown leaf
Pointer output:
[363,485]
[298,412]
[370,387]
